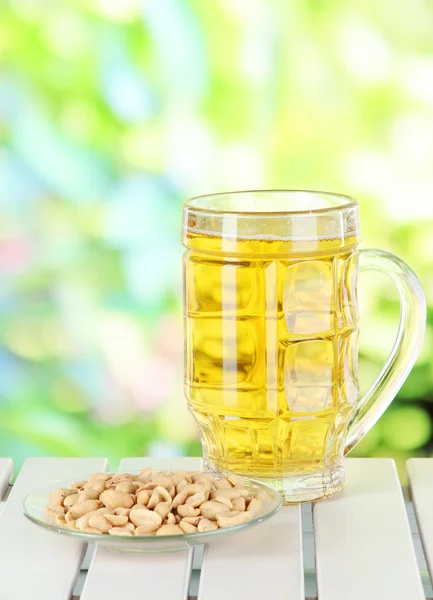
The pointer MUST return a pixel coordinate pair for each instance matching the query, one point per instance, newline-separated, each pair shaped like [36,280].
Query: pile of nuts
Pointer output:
[154,503]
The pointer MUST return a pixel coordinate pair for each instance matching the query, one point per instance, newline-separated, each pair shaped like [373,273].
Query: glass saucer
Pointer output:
[34,505]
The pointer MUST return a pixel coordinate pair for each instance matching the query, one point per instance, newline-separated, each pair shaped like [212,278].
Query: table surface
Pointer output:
[362,544]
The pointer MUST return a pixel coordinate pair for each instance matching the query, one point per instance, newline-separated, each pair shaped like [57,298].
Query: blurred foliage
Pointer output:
[111,113]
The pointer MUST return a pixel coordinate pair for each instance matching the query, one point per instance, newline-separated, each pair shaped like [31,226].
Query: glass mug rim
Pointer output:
[337,202]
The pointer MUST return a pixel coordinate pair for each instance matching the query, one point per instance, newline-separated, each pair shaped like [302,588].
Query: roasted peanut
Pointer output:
[54,511]
[163,508]
[169,530]
[230,494]
[57,497]
[255,506]
[186,510]
[61,520]
[187,527]
[192,520]
[100,522]
[120,531]
[143,516]
[143,530]
[223,484]
[117,520]
[88,494]
[79,484]
[170,519]
[154,503]
[114,499]
[82,508]
[206,525]
[211,509]
[238,504]
[235,480]
[196,499]
[143,497]
[128,487]
[234,518]
[223,500]
[70,500]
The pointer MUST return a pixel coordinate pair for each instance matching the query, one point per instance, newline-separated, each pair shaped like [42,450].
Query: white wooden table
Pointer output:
[363,544]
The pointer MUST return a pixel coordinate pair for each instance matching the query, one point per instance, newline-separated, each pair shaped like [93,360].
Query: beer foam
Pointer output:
[269,237]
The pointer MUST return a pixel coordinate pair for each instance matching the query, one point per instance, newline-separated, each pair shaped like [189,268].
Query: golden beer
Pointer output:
[271,346]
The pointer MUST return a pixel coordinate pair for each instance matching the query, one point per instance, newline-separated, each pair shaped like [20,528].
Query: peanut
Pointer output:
[169,530]
[154,503]
[114,499]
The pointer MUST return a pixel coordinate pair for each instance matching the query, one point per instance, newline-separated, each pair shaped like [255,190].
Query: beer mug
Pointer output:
[271,335]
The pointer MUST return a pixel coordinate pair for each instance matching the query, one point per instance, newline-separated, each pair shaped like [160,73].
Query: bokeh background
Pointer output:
[112,112]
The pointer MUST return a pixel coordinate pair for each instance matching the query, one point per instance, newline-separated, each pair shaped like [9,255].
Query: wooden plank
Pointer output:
[364,547]
[35,563]
[420,477]
[116,575]
[263,562]
[6,472]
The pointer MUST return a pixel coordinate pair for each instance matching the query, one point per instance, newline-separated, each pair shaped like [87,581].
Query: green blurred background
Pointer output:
[112,112]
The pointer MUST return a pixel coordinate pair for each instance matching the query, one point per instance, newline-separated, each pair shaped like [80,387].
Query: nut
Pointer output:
[146,474]
[143,516]
[91,530]
[239,504]
[230,494]
[143,497]
[234,518]
[99,486]
[79,484]
[120,531]
[187,527]
[179,499]
[69,517]
[192,520]
[114,499]
[169,530]
[97,477]
[186,510]
[223,500]
[170,519]
[121,511]
[117,520]
[154,503]
[181,485]
[142,530]
[82,522]
[127,487]
[60,520]
[57,496]
[100,522]
[211,509]
[54,511]
[223,484]
[82,508]
[206,525]
[262,495]
[235,480]
[196,499]
[163,493]
[255,506]
[163,508]
[88,494]
[70,500]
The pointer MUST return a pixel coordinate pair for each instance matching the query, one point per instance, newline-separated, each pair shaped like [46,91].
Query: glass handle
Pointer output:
[406,346]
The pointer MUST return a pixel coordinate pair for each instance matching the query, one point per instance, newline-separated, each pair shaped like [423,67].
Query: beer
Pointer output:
[271,350]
